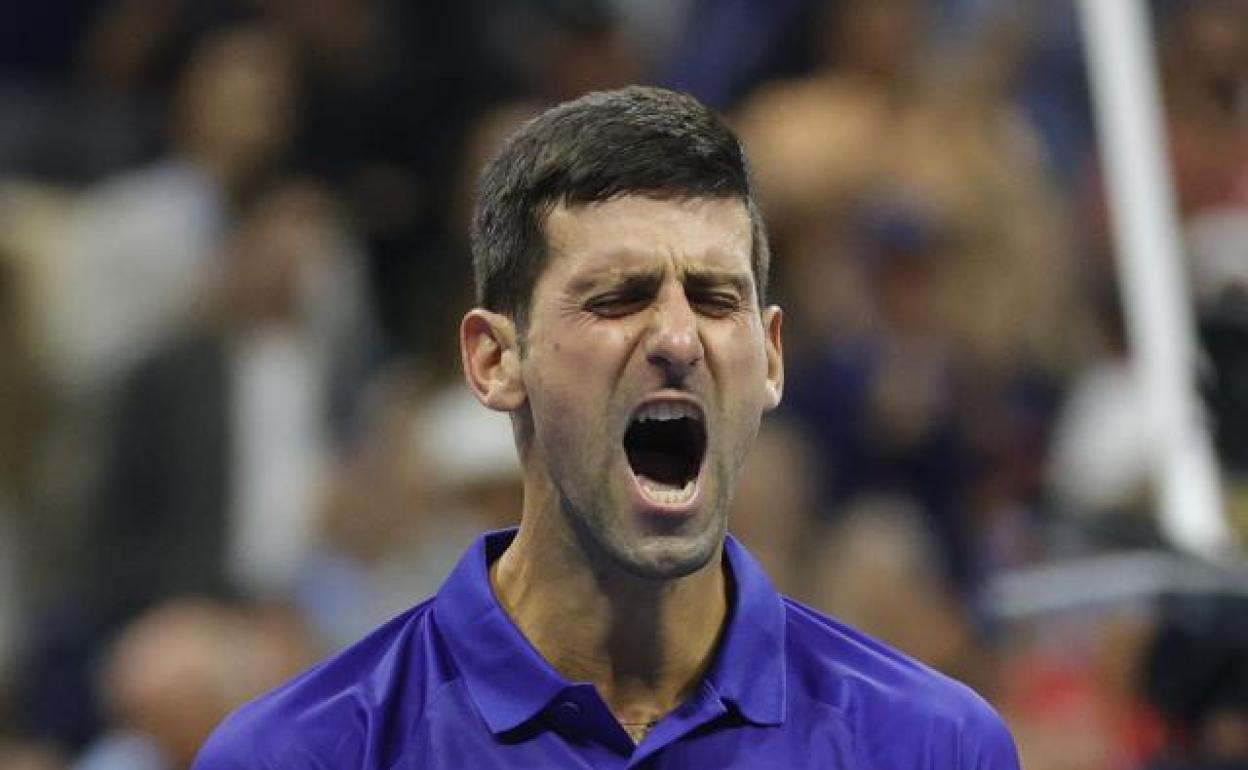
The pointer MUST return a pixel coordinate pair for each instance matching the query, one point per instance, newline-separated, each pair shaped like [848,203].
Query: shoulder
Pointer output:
[340,711]
[883,693]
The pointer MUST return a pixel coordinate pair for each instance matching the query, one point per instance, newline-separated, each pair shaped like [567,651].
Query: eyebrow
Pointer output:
[703,278]
[637,281]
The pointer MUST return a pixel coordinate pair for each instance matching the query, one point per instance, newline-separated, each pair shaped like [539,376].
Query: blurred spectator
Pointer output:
[883,403]
[881,571]
[23,402]
[924,262]
[133,49]
[968,152]
[776,508]
[1204,58]
[1100,461]
[1224,332]
[563,48]
[817,141]
[1216,240]
[1071,689]
[1055,90]
[166,683]
[10,605]
[426,476]
[727,47]
[46,107]
[389,88]
[42,42]
[24,417]
[16,755]
[1098,465]
[142,243]
[1196,673]
[473,457]
[654,29]
[223,433]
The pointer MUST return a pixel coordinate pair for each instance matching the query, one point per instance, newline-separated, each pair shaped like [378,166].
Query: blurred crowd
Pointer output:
[233,258]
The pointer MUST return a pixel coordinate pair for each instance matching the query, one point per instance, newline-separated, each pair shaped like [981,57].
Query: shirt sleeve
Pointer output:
[987,743]
[214,756]
[245,742]
[238,745]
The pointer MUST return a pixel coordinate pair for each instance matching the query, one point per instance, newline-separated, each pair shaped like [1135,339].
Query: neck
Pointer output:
[643,643]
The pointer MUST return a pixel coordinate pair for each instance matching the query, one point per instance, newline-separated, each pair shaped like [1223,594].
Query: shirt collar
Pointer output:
[749,667]
[509,682]
[507,679]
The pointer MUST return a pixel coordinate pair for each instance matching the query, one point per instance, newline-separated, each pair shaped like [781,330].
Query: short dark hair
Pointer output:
[640,139]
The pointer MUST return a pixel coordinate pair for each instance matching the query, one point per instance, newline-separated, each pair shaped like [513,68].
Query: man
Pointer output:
[621,264]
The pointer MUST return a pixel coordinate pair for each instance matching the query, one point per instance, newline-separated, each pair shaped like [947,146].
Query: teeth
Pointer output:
[667,495]
[666,411]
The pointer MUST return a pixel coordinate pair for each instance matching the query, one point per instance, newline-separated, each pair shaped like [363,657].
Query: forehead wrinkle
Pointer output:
[588,261]
[627,261]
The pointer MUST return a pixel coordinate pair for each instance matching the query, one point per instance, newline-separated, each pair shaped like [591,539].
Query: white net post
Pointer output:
[1122,66]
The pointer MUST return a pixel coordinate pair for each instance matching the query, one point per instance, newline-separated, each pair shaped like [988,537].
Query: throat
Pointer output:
[643,669]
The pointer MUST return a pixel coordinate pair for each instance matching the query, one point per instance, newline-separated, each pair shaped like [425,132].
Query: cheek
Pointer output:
[555,421]
[739,355]
[584,363]
[569,386]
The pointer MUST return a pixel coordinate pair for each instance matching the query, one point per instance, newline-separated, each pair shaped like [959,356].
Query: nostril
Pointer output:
[683,352]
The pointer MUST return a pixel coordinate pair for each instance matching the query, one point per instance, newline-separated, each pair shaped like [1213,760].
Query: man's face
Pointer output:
[646,366]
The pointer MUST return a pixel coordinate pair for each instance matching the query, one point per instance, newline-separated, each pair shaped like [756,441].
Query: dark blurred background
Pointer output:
[233,258]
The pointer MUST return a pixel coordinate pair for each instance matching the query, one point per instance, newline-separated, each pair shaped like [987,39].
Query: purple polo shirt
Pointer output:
[453,684]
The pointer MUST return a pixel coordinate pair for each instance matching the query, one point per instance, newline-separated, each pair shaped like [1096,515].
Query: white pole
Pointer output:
[1118,41]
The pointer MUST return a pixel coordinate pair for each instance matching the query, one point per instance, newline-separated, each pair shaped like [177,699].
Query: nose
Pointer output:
[673,344]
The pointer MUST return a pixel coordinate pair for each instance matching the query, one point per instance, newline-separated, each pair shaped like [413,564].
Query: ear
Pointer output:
[773,318]
[491,359]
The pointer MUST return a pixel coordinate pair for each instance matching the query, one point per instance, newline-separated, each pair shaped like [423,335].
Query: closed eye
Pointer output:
[625,297]
[718,294]
[715,303]
[617,304]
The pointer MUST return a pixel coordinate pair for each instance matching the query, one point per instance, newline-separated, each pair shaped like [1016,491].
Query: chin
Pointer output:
[669,557]
[619,537]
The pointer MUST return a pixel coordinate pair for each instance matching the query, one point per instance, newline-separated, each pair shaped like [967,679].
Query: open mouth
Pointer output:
[665,443]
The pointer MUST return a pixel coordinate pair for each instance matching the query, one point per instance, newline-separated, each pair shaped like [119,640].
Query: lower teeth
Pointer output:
[670,496]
